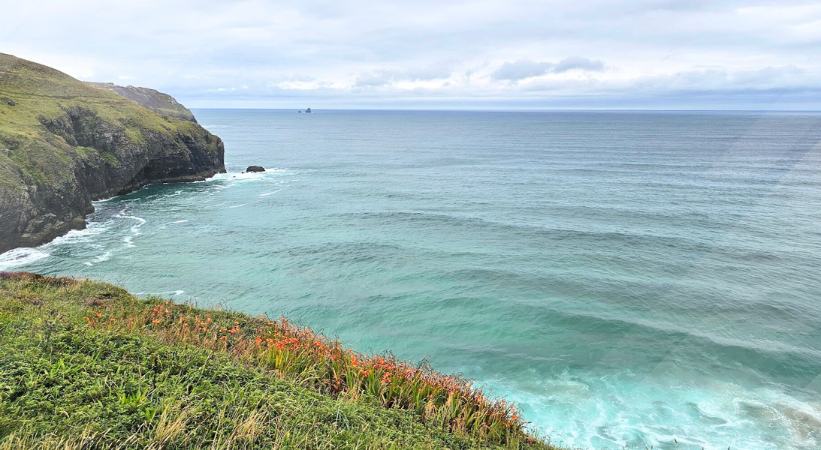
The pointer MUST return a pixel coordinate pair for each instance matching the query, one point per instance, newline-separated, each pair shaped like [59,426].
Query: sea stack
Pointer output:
[255,169]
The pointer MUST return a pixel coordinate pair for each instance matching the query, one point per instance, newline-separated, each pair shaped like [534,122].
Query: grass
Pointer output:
[87,365]
[36,92]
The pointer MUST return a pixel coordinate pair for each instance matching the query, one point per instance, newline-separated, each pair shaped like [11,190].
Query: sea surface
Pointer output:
[628,279]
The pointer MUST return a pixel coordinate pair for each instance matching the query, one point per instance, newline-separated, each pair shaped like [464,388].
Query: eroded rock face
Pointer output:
[44,209]
[52,166]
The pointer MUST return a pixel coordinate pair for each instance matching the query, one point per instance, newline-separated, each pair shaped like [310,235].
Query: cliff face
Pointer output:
[65,143]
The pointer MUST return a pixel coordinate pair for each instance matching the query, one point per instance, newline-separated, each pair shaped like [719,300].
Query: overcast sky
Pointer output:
[494,54]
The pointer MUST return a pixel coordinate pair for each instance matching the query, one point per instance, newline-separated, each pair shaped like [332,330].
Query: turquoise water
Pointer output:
[628,279]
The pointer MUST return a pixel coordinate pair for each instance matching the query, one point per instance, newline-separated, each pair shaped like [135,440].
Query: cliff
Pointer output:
[65,143]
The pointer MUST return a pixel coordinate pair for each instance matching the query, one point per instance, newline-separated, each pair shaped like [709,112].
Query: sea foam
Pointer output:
[20,256]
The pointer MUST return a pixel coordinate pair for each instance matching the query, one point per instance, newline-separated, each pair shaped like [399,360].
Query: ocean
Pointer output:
[628,279]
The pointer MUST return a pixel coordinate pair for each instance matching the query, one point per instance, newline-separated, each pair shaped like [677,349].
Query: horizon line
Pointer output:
[536,110]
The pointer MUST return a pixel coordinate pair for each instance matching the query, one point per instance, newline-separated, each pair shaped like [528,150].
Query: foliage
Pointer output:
[87,365]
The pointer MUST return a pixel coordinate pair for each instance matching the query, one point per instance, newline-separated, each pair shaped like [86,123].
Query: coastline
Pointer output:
[19,256]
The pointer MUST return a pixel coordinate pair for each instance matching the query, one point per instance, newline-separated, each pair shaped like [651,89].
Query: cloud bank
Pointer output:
[496,54]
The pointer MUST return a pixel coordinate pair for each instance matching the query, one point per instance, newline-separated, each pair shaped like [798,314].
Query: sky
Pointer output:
[424,54]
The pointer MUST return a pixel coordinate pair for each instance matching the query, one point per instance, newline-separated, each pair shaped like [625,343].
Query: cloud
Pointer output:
[523,69]
[577,63]
[388,77]
[519,70]
[357,52]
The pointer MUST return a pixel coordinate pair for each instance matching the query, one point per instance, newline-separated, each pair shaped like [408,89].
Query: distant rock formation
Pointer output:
[255,169]
[65,143]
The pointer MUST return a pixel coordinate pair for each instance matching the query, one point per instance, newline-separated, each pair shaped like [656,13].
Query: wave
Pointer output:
[636,342]
[21,256]
[129,242]
[629,411]
[249,176]
[525,232]
[77,236]
[103,257]
[175,293]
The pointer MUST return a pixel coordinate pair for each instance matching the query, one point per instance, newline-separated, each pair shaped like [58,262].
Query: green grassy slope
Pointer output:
[39,90]
[87,365]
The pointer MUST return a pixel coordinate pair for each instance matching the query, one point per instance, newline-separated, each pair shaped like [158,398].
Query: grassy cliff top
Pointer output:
[85,364]
[29,91]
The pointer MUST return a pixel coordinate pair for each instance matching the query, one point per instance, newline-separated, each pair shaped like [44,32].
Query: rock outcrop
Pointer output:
[65,143]
[255,169]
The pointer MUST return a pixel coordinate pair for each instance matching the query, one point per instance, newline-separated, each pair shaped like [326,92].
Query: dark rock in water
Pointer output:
[255,169]
[73,143]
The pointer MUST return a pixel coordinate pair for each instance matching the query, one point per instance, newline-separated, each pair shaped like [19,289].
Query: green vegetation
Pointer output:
[36,90]
[87,365]
[30,91]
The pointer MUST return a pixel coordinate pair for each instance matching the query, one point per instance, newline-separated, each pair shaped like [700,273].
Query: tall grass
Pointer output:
[299,354]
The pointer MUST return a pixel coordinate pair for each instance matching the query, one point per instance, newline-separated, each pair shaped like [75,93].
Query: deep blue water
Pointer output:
[628,279]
